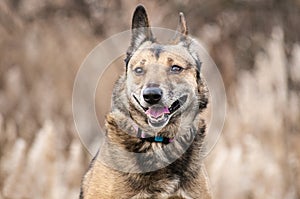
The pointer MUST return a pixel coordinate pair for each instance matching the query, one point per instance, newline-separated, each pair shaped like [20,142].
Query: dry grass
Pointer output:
[42,45]
[257,156]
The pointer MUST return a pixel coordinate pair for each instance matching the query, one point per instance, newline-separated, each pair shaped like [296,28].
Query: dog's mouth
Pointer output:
[159,115]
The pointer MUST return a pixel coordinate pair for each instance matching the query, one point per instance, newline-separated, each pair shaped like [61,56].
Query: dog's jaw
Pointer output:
[158,116]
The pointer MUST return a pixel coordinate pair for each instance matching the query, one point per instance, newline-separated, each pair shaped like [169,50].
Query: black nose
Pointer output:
[152,95]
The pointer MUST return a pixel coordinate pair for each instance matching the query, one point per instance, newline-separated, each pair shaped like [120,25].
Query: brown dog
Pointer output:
[154,133]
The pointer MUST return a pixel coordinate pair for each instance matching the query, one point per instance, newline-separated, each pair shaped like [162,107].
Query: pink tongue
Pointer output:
[157,111]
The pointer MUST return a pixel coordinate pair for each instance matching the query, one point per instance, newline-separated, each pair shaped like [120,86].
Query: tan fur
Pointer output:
[106,183]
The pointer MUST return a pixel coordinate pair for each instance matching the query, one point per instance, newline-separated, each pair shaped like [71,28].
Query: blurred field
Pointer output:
[255,44]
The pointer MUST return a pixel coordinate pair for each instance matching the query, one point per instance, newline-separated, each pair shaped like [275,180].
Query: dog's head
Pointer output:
[162,80]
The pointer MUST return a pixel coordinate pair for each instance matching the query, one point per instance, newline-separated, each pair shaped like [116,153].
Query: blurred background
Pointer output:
[255,44]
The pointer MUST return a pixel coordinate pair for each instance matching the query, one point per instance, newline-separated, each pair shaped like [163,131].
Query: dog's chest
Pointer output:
[158,186]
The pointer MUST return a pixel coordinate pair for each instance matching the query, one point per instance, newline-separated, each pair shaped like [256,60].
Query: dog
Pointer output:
[155,131]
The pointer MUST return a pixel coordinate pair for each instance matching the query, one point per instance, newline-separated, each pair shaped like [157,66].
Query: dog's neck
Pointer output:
[145,156]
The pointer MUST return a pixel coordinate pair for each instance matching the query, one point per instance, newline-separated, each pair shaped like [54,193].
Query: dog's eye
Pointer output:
[139,71]
[176,69]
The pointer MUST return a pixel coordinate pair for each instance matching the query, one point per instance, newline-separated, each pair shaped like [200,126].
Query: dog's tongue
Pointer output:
[157,111]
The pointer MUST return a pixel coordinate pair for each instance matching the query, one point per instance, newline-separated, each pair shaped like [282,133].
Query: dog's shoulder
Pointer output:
[103,182]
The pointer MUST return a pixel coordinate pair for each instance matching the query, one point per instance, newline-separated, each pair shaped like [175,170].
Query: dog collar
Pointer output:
[143,136]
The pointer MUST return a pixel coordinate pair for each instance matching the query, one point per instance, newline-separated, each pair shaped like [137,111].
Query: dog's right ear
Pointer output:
[140,28]
[140,31]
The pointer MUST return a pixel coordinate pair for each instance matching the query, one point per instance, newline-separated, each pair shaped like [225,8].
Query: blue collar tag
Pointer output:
[158,139]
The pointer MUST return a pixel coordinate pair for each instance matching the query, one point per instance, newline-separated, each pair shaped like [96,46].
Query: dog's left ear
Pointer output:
[181,34]
[140,31]
[182,37]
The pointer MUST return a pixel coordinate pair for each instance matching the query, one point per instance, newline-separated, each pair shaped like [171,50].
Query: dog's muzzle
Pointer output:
[152,95]
[158,115]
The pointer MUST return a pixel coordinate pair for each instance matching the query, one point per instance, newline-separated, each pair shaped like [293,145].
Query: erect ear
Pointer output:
[182,30]
[140,30]
[182,27]
[140,23]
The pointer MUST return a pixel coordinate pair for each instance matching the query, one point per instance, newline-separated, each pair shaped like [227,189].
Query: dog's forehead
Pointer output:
[153,51]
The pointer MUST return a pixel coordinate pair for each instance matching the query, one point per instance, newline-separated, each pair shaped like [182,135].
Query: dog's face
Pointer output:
[161,80]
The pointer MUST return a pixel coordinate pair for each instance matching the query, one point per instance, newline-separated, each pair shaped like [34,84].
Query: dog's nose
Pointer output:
[152,95]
